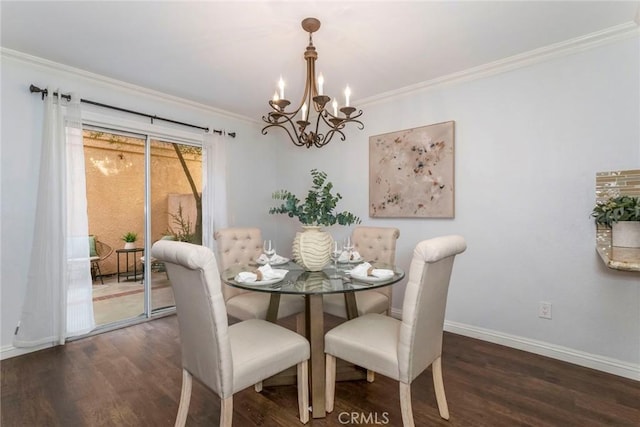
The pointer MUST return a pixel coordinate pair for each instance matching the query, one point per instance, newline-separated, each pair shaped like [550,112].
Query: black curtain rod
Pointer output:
[44,92]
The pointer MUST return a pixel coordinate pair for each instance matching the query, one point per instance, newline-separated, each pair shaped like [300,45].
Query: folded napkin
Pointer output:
[268,273]
[362,270]
[344,256]
[276,259]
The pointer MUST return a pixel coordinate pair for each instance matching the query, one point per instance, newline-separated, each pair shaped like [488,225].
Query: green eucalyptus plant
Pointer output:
[318,208]
[621,208]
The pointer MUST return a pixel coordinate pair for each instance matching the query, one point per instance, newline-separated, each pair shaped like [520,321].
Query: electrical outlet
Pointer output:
[544,310]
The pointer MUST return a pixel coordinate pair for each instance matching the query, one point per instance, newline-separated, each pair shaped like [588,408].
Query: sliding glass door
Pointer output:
[147,190]
[175,190]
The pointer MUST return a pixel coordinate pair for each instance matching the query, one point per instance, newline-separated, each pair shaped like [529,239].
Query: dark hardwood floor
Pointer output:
[132,377]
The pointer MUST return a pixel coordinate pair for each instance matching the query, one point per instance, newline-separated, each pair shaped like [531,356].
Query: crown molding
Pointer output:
[565,48]
[546,53]
[116,84]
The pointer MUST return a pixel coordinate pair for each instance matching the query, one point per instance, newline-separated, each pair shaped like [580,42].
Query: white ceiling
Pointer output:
[230,54]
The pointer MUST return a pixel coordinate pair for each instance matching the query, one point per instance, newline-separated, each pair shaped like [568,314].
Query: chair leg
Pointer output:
[371,376]
[438,385]
[405,405]
[185,398]
[303,391]
[100,274]
[330,382]
[226,412]
[95,272]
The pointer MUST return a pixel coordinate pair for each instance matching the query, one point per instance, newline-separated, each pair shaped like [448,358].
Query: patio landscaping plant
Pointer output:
[129,239]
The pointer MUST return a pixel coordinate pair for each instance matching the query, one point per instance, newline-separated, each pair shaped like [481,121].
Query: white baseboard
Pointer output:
[10,351]
[588,360]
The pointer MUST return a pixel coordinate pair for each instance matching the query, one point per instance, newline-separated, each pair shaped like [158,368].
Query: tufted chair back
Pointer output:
[377,244]
[225,358]
[240,245]
[202,317]
[402,349]
[425,302]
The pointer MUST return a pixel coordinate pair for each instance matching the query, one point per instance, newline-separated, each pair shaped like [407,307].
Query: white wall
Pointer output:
[22,114]
[528,145]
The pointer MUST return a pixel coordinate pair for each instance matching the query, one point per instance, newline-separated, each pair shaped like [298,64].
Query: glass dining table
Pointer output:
[313,285]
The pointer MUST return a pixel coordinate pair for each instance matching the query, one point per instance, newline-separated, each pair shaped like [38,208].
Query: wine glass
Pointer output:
[269,249]
[348,246]
[336,251]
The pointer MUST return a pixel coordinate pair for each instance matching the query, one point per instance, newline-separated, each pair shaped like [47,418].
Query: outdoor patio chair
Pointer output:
[98,252]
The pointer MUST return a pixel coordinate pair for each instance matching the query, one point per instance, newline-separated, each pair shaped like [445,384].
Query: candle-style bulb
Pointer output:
[275,96]
[320,83]
[347,94]
[281,86]
[335,107]
[304,112]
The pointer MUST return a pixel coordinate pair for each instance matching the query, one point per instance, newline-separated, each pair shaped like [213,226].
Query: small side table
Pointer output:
[127,273]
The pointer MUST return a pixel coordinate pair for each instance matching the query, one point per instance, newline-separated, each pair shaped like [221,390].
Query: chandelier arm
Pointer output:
[318,123]
[264,131]
[298,140]
[330,135]
[319,141]
[360,125]
[357,115]
[326,122]
[283,113]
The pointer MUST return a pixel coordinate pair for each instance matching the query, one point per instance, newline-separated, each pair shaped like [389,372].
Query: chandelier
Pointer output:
[305,129]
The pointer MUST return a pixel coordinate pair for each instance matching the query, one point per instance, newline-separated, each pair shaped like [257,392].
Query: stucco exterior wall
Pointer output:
[115,188]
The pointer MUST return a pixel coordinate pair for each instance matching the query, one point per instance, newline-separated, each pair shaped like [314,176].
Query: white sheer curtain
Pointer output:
[214,187]
[58,300]
[80,318]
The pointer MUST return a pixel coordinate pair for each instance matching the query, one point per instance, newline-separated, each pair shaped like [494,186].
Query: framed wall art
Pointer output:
[411,173]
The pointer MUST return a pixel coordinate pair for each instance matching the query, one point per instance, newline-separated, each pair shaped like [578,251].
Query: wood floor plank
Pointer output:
[133,376]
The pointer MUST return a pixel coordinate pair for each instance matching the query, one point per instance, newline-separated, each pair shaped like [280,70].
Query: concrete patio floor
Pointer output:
[115,301]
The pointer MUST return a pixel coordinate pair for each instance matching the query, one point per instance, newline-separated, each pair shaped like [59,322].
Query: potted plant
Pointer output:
[129,240]
[312,247]
[622,215]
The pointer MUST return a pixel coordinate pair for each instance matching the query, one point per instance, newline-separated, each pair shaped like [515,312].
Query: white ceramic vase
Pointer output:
[625,234]
[129,245]
[312,248]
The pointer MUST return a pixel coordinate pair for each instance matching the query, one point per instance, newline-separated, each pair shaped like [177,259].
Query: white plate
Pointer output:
[282,273]
[283,262]
[370,279]
[263,282]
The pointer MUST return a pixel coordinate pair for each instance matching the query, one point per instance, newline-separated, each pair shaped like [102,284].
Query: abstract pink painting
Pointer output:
[411,173]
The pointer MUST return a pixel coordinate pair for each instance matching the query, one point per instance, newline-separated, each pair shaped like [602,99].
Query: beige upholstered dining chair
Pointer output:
[224,358]
[377,244]
[244,246]
[402,349]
